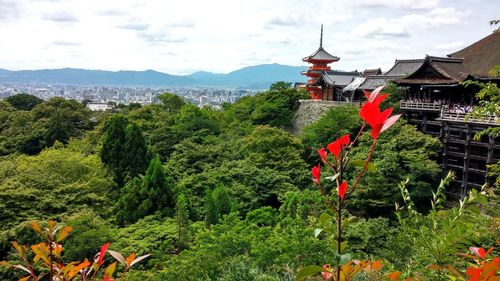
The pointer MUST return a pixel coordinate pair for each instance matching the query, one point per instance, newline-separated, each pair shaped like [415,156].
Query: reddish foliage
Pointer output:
[338,145]
[316,173]
[342,190]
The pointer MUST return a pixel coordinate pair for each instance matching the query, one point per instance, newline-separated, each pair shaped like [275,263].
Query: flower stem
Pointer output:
[339,215]
[365,166]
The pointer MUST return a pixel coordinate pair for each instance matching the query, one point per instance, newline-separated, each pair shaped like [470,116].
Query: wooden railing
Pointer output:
[428,106]
[328,102]
[464,117]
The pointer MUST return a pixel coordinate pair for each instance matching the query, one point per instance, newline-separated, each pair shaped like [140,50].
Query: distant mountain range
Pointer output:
[258,77]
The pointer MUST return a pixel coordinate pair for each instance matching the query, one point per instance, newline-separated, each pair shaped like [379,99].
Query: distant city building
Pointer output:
[97,106]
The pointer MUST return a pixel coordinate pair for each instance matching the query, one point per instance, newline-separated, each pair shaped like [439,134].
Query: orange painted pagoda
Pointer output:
[319,60]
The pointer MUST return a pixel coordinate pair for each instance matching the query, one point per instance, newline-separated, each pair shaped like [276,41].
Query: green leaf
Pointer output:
[360,163]
[308,271]
[344,259]
[343,246]
[325,218]
[317,232]
[329,229]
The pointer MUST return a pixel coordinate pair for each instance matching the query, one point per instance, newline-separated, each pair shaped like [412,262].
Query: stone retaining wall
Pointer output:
[310,111]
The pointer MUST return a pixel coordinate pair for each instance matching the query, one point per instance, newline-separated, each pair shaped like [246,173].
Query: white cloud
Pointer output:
[407,4]
[223,35]
[448,47]
[403,26]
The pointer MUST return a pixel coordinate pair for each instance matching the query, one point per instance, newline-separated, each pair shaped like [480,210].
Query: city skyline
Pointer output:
[222,36]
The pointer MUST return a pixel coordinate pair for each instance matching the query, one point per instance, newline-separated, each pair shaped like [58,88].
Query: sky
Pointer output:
[181,37]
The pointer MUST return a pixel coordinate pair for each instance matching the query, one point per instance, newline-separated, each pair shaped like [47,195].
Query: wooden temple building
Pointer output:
[435,100]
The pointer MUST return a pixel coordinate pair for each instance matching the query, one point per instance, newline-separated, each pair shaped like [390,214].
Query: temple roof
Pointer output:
[404,67]
[374,81]
[368,72]
[338,78]
[480,57]
[400,69]
[437,70]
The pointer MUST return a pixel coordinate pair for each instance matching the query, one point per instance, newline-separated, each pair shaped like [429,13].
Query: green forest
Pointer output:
[229,195]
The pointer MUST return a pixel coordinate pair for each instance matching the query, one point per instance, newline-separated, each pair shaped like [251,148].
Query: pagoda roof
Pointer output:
[480,57]
[437,70]
[320,55]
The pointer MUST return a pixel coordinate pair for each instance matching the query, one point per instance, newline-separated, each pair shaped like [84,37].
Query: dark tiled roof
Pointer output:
[373,81]
[437,70]
[405,67]
[339,78]
[368,72]
[481,56]
[321,55]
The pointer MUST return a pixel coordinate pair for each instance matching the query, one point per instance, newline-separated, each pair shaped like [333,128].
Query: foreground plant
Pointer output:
[48,256]
[336,198]
[482,268]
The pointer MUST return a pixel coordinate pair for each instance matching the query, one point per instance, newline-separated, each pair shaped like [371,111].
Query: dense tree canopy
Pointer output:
[23,101]
[47,122]
[228,194]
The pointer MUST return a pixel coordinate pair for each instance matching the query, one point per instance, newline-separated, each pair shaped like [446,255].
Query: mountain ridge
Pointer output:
[257,76]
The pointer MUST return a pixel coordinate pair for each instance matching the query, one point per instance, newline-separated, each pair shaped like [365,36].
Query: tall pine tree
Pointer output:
[159,188]
[145,197]
[136,152]
[113,146]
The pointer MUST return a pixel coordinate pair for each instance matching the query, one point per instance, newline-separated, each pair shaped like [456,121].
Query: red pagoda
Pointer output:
[319,60]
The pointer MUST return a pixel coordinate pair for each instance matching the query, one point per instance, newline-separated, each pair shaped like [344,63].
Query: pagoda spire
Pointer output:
[319,61]
[321,37]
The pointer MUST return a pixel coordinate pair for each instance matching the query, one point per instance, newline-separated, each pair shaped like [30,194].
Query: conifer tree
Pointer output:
[145,197]
[136,152]
[113,146]
[133,204]
[158,187]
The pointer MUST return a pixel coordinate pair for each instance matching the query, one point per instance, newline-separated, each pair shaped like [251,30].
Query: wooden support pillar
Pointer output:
[424,123]
[465,170]
[489,160]
[446,142]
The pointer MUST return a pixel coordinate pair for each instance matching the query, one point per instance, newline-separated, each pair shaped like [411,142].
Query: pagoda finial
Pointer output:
[321,37]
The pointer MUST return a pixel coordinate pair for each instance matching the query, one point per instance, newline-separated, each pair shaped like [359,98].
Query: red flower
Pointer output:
[338,145]
[478,251]
[327,273]
[474,273]
[104,249]
[342,190]
[379,121]
[374,96]
[323,155]
[316,172]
